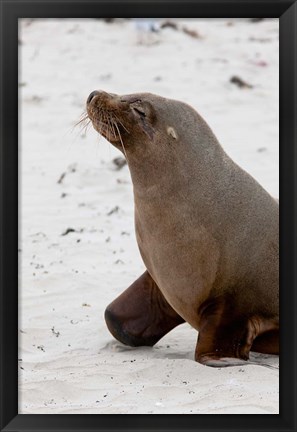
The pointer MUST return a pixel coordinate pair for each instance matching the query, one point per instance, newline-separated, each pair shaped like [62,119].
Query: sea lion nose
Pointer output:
[92,95]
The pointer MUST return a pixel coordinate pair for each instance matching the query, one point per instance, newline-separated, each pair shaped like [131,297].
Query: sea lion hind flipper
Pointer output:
[141,316]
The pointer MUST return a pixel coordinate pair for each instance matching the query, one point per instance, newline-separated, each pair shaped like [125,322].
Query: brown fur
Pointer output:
[208,233]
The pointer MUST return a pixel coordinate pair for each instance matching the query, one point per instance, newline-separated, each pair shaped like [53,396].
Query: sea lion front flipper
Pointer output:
[267,343]
[226,337]
[222,344]
[141,315]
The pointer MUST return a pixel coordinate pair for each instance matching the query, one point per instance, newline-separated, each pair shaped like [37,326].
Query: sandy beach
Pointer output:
[77,245]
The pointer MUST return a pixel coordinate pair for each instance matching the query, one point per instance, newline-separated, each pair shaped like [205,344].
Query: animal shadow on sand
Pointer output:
[174,352]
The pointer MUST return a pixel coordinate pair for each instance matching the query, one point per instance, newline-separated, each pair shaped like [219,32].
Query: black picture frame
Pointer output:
[11,11]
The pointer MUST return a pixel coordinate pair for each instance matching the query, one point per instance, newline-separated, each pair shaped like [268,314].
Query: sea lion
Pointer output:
[208,233]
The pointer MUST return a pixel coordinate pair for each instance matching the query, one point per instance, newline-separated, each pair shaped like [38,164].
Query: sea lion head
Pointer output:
[121,119]
[156,135]
[139,120]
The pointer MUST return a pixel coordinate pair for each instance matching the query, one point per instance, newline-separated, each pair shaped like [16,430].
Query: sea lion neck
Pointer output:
[170,169]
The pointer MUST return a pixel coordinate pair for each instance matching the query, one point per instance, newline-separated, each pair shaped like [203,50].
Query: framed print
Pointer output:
[146,150]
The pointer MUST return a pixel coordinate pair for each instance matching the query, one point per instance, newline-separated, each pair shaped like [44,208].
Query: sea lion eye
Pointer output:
[143,111]
[139,110]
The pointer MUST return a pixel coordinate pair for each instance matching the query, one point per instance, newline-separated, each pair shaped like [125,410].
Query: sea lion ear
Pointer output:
[171,132]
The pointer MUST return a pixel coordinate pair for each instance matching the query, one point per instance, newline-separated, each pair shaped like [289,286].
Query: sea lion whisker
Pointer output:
[108,128]
[115,131]
[82,125]
[112,124]
[82,117]
[108,131]
[115,125]
[112,127]
[124,150]
[102,120]
[82,120]
[119,121]
[86,126]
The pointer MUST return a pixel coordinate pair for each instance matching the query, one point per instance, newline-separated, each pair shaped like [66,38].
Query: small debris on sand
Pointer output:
[184,29]
[119,162]
[68,230]
[71,169]
[239,82]
[193,33]
[169,24]
[56,333]
[113,210]
[121,181]
[62,176]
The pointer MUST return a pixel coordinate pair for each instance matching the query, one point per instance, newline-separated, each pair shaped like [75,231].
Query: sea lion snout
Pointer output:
[103,98]
[108,115]
[115,117]
[92,95]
